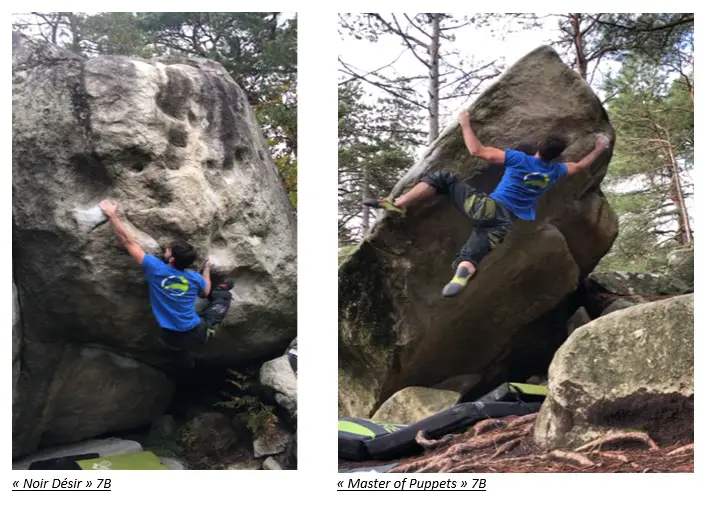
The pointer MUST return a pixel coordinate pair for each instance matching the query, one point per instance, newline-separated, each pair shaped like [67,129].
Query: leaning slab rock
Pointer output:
[395,329]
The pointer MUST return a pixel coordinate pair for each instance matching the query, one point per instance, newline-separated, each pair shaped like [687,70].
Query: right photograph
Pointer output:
[516,243]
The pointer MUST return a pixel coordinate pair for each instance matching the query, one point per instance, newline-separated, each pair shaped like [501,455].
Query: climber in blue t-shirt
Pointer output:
[530,171]
[173,291]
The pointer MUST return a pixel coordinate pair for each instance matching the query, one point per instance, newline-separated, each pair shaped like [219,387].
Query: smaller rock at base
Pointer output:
[616,305]
[253,464]
[211,433]
[579,318]
[537,380]
[413,404]
[274,441]
[459,383]
[173,464]
[164,426]
[271,464]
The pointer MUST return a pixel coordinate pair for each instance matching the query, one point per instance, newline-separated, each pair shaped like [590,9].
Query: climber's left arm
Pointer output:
[475,147]
[602,143]
[109,208]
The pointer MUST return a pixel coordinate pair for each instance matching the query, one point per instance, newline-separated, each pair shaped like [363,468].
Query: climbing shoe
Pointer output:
[458,282]
[385,204]
[227,285]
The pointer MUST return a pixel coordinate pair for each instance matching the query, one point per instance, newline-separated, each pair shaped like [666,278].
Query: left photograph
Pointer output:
[154,164]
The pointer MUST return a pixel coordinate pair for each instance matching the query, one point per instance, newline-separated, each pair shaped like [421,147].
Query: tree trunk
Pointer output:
[576,21]
[365,194]
[691,88]
[684,232]
[434,81]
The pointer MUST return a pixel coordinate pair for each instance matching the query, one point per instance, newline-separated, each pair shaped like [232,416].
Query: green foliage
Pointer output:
[654,120]
[375,145]
[257,416]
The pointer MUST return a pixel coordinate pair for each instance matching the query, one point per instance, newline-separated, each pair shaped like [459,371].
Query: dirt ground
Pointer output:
[506,446]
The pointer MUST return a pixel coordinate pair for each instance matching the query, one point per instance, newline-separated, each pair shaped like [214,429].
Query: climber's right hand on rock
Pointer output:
[464,117]
[602,142]
[109,207]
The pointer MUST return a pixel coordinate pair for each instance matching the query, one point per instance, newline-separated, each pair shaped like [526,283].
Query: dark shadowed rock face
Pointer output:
[177,143]
[395,328]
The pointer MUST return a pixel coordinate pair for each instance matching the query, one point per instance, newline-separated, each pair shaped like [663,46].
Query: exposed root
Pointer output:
[505,447]
[529,418]
[617,456]
[570,457]
[429,443]
[488,425]
[620,436]
[682,450]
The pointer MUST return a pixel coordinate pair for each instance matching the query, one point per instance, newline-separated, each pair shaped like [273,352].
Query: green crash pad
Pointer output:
[516,392]
[134,461]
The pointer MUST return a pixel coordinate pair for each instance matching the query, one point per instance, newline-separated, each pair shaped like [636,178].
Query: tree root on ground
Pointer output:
[506,446]
[620,436]
[682,450]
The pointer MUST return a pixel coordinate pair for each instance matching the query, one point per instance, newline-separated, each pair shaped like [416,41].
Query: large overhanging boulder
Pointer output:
[395,329]
[177,143]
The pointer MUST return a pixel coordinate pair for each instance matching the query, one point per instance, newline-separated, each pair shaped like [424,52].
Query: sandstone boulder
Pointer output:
[631,369]
[177,143]
[396,330]
[414,404]
[280,382]
[680,264]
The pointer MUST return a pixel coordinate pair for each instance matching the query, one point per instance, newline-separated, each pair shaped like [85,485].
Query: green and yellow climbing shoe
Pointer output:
[385,204]
[458,282]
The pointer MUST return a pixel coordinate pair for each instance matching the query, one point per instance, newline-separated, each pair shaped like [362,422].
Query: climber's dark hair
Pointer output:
[184,254]
[529,148]
[552,147]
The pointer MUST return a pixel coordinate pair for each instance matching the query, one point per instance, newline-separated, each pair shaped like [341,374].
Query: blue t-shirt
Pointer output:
[172,294]
[525,179]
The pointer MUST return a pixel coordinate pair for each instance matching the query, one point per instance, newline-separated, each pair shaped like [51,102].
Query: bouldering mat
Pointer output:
[372,469]
[403,441]
[133,461]
[516,392]
[63,462]
[352,432]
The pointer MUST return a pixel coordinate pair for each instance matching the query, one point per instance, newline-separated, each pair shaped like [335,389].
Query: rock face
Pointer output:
[211,434]
[177,143]
[631,369]
[395,328]
[680,263]
[414,404]
[637,284]
[16,350]
[279,380]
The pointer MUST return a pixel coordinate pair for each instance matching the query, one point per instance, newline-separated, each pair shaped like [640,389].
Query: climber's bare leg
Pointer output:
[418,193]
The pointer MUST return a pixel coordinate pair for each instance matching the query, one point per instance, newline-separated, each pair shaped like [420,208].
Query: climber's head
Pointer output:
[180,255]
[529,148]
[551,147]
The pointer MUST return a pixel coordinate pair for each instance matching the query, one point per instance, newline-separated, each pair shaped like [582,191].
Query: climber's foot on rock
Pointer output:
[385,204]
[458,282]
[227,284]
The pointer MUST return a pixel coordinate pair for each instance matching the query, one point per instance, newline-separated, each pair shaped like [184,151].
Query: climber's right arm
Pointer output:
[602,143]
[475,147]
[109,208]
